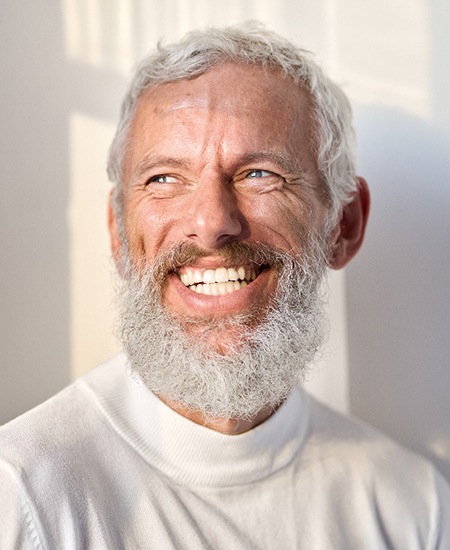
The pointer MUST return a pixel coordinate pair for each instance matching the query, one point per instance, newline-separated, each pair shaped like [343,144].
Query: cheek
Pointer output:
[148,228]
[281,220]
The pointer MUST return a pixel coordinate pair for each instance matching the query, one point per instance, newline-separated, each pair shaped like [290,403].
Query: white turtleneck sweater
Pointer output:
[106,465]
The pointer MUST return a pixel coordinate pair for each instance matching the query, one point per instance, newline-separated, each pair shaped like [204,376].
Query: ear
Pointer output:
[348,235]
[114,233]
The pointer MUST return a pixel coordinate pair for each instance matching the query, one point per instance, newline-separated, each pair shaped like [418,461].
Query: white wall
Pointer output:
[67,64]
[399,294]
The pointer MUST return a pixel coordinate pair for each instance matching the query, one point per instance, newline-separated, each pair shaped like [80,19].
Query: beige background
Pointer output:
[65,66]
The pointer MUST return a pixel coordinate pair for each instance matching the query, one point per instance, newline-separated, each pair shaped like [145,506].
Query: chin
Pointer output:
[224,336]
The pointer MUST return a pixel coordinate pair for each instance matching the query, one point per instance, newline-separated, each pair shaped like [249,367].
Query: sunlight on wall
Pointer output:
[91,296]
[99,33]
[385,54]
[116,33]
[173,18]
[390,62]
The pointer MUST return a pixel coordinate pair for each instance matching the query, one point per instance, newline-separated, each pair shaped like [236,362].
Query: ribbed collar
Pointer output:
[186,451]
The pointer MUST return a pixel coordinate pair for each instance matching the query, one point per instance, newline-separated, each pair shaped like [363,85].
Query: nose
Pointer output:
[213,217]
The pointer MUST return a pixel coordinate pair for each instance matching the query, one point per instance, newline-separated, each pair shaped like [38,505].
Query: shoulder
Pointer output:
[336,438]
[333,434]
[362,465]
[52,430]
[50,459]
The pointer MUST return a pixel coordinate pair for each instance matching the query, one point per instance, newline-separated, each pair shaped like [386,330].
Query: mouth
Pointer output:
[219,281]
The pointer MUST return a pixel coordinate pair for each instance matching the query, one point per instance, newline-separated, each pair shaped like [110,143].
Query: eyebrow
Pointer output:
[150,161]
[273,157]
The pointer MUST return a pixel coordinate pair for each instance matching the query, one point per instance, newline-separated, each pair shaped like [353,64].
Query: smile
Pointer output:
[220,281]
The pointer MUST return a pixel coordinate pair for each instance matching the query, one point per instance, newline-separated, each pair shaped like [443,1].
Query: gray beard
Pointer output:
[174,357]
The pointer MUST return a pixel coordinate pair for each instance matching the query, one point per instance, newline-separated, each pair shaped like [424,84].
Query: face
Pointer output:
[224,158]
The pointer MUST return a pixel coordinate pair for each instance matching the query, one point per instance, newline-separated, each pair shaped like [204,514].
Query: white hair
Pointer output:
[252,44]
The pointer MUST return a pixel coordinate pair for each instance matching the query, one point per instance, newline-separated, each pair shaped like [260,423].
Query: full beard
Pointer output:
[257,368]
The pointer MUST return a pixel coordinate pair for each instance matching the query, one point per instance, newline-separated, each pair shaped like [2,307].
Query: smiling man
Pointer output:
[225,197]
[235,191]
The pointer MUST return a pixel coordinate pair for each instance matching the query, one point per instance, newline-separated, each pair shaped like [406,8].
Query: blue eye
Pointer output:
[163,178]
[259,174]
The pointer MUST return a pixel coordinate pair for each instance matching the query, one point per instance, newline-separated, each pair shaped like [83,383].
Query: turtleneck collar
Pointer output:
[190,453]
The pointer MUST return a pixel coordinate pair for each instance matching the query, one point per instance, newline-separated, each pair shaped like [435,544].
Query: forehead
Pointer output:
[256,87]
[230,107]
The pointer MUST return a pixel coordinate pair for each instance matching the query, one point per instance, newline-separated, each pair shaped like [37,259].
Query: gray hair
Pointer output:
[253,44]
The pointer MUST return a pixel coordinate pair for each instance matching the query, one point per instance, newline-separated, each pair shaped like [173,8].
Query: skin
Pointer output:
[226,157]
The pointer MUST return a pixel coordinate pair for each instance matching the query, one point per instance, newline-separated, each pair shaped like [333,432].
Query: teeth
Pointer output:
[191,277]
[222,287]
[230,286]
[221,275]
[216,289]
[209,276]
[197,276]
[218,281]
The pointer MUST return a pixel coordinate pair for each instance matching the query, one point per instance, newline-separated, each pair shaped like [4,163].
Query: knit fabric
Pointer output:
[106,465]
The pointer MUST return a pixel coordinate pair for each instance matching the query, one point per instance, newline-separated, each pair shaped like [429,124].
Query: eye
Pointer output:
[258,180]
[163,178]
[259,174]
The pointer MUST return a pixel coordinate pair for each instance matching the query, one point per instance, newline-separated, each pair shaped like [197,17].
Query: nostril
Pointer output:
[213,217]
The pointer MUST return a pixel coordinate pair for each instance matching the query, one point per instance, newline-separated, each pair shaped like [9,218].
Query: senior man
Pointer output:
[235,190]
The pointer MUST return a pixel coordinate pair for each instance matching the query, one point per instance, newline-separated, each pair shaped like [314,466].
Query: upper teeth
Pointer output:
[192,276]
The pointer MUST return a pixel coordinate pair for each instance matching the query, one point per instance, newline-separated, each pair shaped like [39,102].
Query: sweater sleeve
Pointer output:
[19,523]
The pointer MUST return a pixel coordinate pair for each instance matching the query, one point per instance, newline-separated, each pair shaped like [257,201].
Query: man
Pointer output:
[235,190]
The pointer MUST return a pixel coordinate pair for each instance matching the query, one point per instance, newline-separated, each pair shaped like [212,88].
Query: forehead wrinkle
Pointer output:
[213,137]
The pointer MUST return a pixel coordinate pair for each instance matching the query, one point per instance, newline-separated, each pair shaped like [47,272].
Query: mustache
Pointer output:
[239,253]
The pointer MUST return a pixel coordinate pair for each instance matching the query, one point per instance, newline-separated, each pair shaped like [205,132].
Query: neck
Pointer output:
[229,426]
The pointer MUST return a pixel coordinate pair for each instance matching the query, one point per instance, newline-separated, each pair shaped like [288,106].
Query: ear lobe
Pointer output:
[351,227]
[114,234]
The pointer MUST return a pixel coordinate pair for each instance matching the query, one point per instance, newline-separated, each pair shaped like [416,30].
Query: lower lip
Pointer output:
[180,298]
